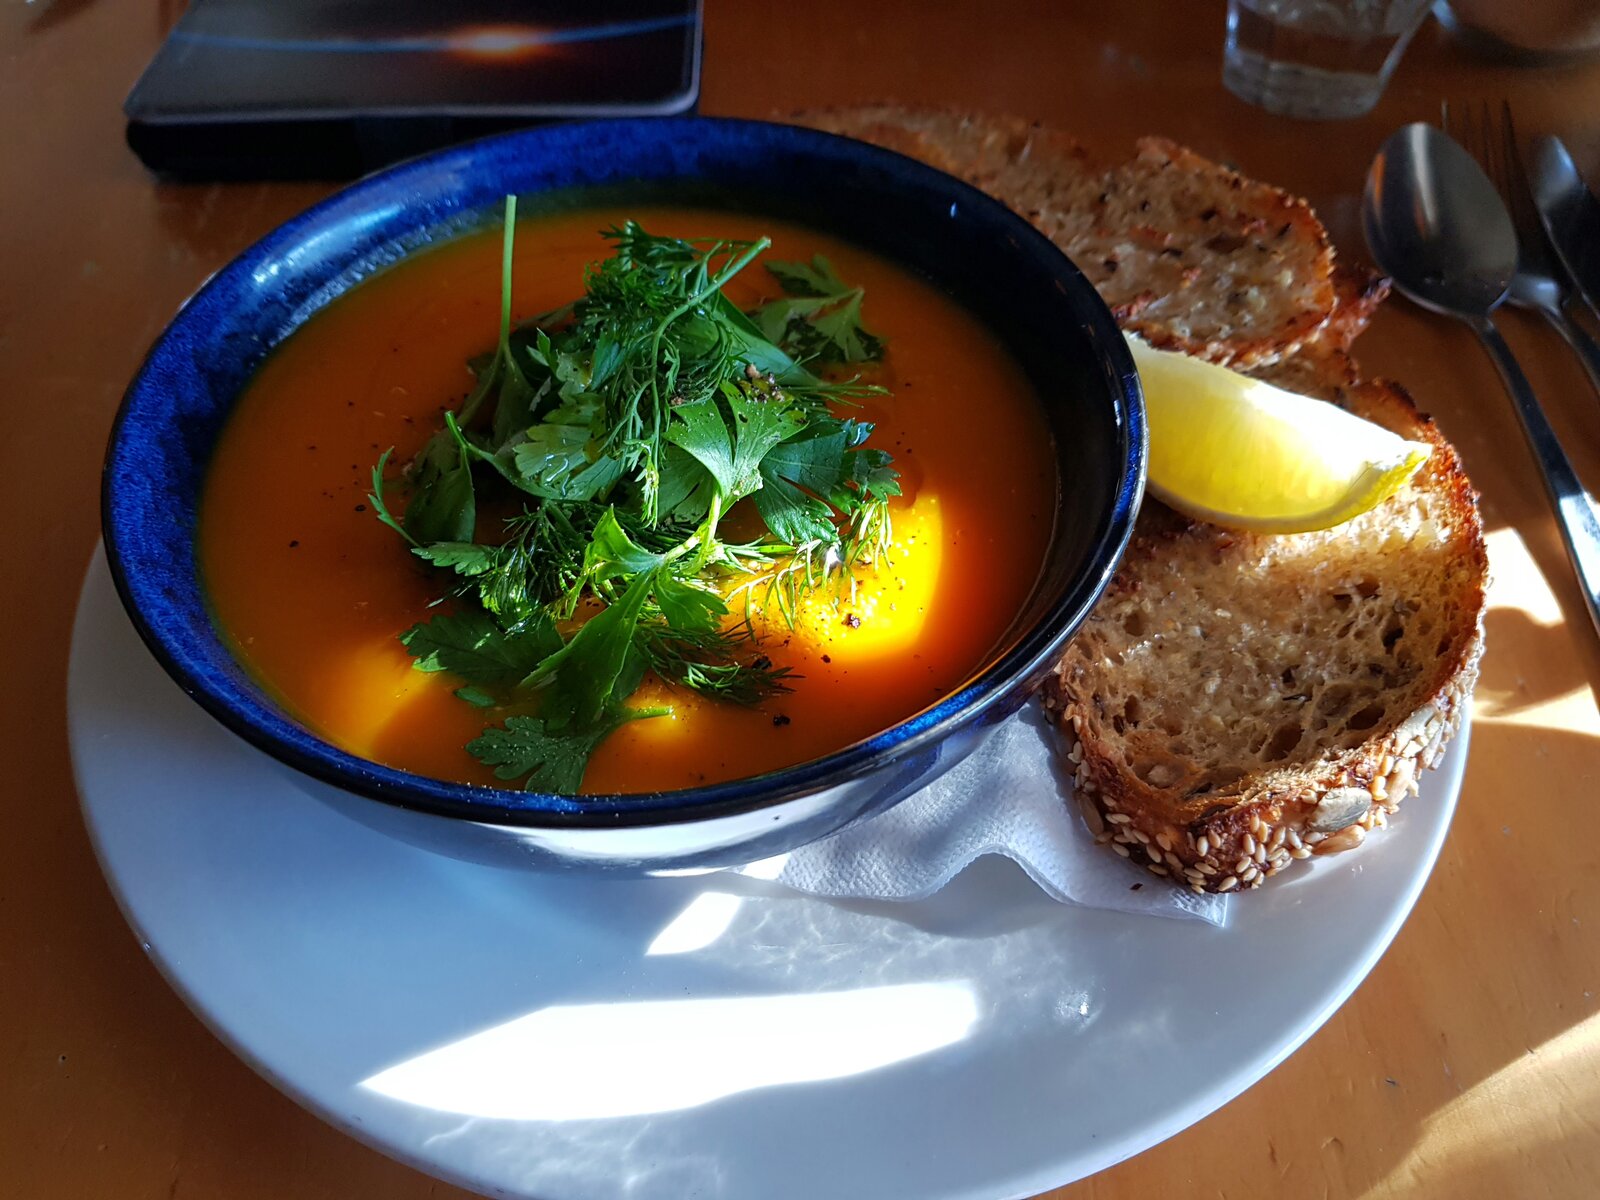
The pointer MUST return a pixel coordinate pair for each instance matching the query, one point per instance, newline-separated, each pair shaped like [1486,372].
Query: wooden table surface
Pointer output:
[1467,1065]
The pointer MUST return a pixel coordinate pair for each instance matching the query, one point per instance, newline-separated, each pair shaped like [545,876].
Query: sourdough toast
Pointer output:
[1237,702]
[1188,254]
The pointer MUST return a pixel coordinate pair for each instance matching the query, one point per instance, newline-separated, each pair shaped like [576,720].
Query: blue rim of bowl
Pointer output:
[253,716]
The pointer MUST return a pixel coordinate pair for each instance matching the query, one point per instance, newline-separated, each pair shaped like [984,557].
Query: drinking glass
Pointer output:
[1322,59]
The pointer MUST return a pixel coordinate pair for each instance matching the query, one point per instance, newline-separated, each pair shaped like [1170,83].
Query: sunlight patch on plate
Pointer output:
[592,1061]
[706,918]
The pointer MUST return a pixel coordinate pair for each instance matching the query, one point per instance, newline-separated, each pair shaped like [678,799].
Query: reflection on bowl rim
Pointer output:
[249,712]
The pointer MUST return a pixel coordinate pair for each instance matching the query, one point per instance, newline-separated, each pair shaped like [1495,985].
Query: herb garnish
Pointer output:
[624,426]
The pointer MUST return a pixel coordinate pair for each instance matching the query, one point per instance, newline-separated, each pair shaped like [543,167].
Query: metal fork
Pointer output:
[1541,284]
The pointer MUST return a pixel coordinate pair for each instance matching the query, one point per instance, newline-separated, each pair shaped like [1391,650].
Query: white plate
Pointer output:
[562,1037]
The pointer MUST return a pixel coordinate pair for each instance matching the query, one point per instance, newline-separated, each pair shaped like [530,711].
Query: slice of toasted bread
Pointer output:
[1188,253]
[1236,702]
[1357,292]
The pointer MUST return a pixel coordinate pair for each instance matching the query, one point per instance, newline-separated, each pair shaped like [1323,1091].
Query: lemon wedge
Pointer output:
[1234,451]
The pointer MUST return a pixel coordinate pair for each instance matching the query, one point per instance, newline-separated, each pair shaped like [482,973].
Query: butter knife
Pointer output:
[1570,214]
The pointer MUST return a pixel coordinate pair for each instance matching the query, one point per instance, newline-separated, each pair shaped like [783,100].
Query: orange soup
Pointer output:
[314,591]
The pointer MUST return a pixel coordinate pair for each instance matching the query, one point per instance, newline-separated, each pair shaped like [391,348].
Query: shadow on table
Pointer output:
[47,14]
[1518,1026]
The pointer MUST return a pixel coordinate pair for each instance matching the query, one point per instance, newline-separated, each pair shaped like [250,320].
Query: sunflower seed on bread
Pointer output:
[1238,702]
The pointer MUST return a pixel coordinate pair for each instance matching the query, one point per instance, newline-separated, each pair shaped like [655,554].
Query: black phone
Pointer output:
[242,89]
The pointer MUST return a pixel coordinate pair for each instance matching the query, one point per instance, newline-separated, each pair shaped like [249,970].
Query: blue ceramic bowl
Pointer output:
[993,262]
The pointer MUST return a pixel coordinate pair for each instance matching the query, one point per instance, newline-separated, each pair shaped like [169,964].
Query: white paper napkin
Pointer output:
[1011,797]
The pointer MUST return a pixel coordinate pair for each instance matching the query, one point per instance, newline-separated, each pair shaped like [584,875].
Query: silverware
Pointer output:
[1437,226]
[1571,215]
[1542,283]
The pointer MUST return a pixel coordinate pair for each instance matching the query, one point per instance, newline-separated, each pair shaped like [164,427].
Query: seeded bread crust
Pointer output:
[1236,702]
[1189,254]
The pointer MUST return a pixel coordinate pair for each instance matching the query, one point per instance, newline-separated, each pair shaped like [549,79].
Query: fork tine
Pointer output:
[1458,122]
[1483,138]
[1537,253]
[1487,151]
[1521,196]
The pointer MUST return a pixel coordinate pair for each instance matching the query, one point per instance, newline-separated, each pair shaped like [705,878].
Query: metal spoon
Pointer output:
[1436,225]
[1571,215]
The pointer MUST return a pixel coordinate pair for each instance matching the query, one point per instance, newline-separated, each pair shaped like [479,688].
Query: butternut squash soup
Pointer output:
[620,501]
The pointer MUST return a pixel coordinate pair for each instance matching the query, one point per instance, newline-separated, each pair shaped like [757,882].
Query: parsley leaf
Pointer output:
[443,504]
[820,470]
[585,682]
[611,552]
[560,462]
[470,644]
[580,676]
[552,760]
[465,558]
[816,278]
[684,486]
[376,498]
[730,445]
[821,319]
[686,608]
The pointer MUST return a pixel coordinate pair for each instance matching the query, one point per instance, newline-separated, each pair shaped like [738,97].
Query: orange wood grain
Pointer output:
[1467,1066]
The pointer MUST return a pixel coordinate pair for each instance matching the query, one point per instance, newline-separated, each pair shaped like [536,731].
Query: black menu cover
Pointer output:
[332,88]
